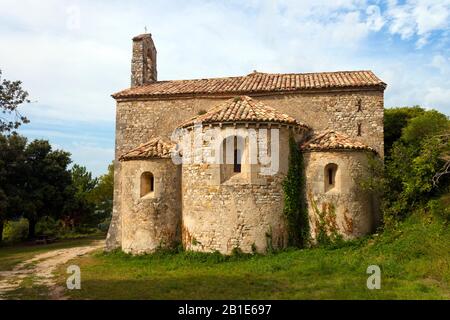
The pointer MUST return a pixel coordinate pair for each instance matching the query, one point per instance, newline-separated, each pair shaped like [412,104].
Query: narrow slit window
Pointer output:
[147,183]
[359,105]
[359,129]
[237,160]
[330,176]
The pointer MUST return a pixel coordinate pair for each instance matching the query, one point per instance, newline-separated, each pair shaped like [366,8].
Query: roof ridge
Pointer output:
[270,73]
[306,73]
[156,147]
[257,82]
[322,140]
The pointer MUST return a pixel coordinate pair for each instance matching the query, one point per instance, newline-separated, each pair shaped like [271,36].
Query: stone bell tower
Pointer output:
[143,62]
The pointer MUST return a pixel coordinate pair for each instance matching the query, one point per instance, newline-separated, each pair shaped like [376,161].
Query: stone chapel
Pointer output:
[163,197]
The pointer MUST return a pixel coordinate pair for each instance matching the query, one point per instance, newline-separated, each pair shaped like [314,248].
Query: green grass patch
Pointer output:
[414,260]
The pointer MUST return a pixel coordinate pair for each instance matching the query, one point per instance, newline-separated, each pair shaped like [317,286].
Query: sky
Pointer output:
[72,55]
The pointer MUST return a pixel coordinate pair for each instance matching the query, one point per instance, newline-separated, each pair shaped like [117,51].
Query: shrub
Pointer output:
[15,231]
[415,164]
[440,207]
[47,226]
[104,225]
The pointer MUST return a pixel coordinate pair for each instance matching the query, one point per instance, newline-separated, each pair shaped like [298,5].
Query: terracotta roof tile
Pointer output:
[242,109]
[331,140]
[255,82]
[155,148]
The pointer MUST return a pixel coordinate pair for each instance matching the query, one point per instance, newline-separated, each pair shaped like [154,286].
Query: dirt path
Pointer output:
[41,268]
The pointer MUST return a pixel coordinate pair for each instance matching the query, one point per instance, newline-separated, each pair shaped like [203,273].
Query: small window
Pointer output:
[147,183]
[237,160]
[233,155]
[359,130]
[330,176]
[359,105]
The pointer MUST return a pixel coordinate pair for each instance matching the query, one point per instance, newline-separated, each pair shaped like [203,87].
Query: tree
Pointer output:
[415,159]
[81,208]
[395,119]
[93,197]
[11,97]
[3,204]
[415,174]
[48,183]
[423,126]
[82,179]
[12,177]
[445,156]
[102,195]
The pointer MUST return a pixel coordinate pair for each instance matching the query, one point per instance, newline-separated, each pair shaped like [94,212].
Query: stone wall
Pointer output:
[153,220]
[338,111]
[354,209]
[244,212]
[137,121]
[143,61]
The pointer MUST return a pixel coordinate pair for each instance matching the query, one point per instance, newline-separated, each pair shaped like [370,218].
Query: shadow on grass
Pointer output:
[209,287]
[186,287]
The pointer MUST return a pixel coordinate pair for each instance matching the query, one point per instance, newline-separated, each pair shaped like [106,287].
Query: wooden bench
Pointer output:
[45,240]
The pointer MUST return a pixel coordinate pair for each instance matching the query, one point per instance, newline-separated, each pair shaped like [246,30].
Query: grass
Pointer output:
[414,260]
[29,291]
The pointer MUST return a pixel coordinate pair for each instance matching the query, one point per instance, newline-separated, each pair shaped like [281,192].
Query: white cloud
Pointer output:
[71,72]
[442,63]
[93,157]
[71,67]
[375,20]
[437,96]
[418,17]
[412,81]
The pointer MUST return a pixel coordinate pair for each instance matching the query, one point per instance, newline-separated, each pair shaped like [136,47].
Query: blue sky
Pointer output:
[72,55]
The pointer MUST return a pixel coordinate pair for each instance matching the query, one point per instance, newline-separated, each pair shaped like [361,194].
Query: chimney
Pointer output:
[143,62]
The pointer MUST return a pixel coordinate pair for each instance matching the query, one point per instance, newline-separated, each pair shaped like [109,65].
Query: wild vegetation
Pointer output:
[413,266]
[39,193]
[295,198]
[411,247]
[415,175]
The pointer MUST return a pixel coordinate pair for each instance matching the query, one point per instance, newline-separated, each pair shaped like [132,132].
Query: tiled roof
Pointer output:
[331,140]
[242,109]
[155,148]
[256,82]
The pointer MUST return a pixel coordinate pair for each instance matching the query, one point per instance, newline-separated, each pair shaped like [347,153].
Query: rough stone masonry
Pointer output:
[335,117]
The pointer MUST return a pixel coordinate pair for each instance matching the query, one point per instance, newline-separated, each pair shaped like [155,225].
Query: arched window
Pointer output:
[330,176]
[233,154]
[147,183]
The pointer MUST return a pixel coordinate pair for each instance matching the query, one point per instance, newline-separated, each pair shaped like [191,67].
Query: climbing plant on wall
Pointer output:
[295,199]
[325,224]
